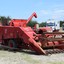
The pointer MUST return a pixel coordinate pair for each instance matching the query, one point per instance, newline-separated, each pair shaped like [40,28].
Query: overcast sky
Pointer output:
[45,9]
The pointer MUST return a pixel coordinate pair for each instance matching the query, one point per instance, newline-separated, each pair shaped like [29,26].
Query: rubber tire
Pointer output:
[13,43]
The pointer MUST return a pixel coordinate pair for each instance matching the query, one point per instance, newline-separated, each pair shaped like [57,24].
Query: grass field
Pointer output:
[7,57]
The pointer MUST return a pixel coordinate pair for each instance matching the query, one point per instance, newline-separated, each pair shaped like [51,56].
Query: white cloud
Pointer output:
[59,11]
[57,14]
[53,14]
[44,12]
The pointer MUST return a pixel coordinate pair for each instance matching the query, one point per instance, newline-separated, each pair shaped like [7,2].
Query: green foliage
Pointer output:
[43,24]
[61,22]
[4,20]
[32,23]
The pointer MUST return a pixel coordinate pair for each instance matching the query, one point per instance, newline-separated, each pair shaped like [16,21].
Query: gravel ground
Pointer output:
[7,57]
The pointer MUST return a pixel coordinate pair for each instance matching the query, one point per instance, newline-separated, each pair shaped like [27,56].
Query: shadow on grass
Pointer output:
[31,52]
[21,51]
[28,52]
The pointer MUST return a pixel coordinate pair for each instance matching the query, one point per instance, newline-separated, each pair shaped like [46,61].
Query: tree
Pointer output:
[32,23]
[4,20]
[43,24]
[61,22]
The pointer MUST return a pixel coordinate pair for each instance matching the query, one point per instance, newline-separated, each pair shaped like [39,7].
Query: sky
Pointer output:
[22,9]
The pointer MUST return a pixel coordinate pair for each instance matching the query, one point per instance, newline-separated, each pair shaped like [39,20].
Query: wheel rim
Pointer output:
[11,44]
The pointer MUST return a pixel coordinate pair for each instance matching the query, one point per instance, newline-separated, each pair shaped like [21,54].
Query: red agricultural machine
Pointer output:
[17,35]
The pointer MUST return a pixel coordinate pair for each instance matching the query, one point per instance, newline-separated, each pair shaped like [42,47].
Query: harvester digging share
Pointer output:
[17,35]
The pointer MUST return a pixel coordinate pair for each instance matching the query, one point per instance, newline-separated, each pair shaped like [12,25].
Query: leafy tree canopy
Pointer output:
[4,20]
[43,24]
[32,23]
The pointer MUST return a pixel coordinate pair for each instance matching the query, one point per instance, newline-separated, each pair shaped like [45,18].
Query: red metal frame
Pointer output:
[25,37]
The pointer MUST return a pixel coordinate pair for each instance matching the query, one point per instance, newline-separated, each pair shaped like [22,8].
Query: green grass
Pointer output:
[56,63]
[30,60]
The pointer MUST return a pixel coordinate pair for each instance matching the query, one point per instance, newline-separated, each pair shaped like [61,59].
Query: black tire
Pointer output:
[12,44]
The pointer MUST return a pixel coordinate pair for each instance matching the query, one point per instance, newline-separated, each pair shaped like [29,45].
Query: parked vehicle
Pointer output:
[53,24]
